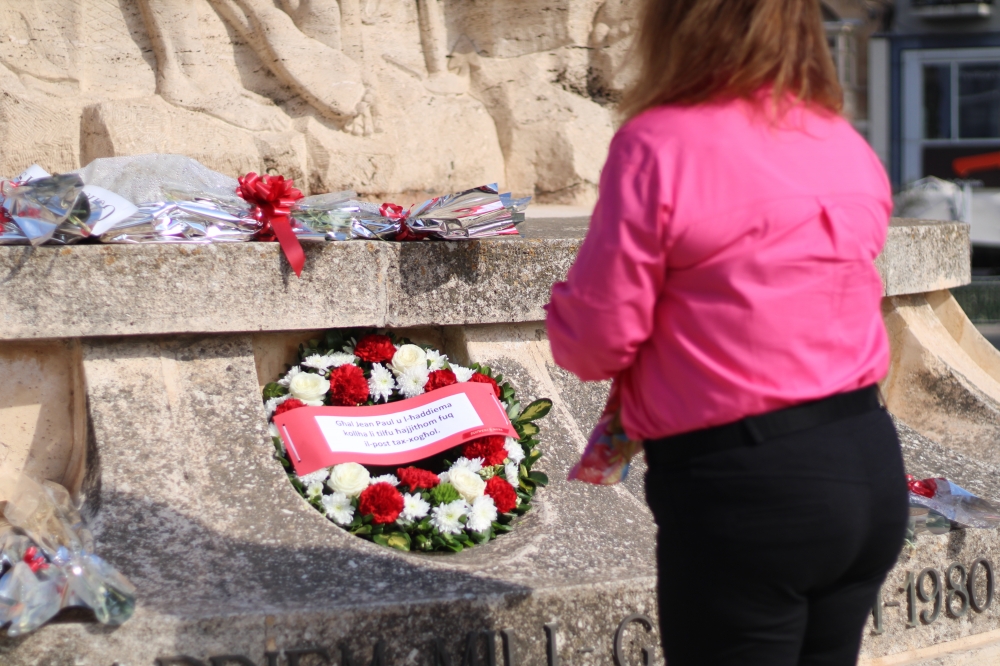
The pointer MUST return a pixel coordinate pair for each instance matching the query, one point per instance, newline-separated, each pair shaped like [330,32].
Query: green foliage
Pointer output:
[274,390]
[535,410]
[444,493]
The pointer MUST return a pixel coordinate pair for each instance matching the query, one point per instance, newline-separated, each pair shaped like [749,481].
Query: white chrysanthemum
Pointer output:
[319,476]
[436,360]
[333,360]
[513,473]
[272,430]
[408,357]
[338,507]
[309,387]
[514,450]
[471,464]
[381,383]
[443,477]
[273,403]
[482,513]
[447,518]
[386,478]
[414,507]
[314,490]
[468,484]
[462,373]
[349,478]
[411,383]
[294,370]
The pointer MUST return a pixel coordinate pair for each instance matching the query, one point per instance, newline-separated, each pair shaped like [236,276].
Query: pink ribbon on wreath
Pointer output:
[272,198]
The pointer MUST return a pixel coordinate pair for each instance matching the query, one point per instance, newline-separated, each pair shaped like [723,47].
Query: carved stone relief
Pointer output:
[387,97]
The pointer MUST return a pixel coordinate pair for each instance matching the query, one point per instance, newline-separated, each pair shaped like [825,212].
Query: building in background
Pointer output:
[934,88]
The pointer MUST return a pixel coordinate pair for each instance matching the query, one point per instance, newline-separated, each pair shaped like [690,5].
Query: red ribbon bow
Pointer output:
[272,198]
[925,488]
[34,559]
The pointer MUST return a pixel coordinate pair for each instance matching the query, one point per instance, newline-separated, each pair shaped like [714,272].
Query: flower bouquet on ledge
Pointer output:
[377,392]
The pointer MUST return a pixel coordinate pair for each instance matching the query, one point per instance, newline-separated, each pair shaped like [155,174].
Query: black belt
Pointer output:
[678,449]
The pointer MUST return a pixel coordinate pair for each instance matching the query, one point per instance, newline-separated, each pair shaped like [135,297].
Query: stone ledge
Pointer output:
[109,290]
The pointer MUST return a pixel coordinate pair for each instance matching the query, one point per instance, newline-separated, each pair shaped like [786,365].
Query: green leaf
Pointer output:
[526,429]
[363,530]
[500,528]
[539,478]
[381,539]
[399,541]
[274,390]
[514,409]
[535,410]
[482,537]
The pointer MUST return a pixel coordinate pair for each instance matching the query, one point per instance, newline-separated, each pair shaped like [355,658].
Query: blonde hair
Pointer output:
[695,51]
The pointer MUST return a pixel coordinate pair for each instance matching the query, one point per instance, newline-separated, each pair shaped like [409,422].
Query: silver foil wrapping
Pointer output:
[476,213]
[47,210]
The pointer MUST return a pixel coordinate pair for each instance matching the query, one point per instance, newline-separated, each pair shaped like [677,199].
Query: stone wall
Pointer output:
[390,98]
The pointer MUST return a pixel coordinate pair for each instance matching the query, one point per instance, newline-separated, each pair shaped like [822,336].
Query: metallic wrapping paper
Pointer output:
[476,213]
[47,210]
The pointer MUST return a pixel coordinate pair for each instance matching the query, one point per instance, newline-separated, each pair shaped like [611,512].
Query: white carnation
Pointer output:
[349,478]
[447,518]
[381,383]
[386,478]
[290,375]
[514,450]
[513,473]
[409,357]
[482,514]
[334,360]
[462,373]
[273,403]
[314,490]
[468,484]
[338,507]
[319,476]
[471,464]
[310,388]
[411,383]
[436,360]
[414,507]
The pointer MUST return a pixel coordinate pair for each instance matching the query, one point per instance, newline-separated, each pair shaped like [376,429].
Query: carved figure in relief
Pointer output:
[290,41]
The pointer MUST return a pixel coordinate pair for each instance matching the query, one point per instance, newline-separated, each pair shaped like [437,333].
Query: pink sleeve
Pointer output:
[600,316]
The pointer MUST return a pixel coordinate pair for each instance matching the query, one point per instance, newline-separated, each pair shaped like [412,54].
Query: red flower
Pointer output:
[375,349]
[348,386]
[384,502]
[288,406]
[415,478]
[489,448]
[483,379]
[502,493]
[440,379]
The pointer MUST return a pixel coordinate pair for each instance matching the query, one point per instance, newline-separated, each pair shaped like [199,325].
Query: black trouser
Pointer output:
[771,553]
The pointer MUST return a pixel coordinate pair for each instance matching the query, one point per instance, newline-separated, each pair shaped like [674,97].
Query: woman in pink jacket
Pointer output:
[727,284]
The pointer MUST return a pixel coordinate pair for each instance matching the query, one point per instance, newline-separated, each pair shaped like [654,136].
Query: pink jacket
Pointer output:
[728,270]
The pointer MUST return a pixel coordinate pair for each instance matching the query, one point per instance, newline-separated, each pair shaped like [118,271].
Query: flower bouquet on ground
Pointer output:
[449,501]
[939,506]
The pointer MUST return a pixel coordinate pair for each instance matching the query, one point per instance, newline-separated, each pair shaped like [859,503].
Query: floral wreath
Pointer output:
[465,496]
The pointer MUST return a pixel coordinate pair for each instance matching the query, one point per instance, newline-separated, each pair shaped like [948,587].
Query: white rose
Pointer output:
[349,478]
[468,484]
[309,388]
[408,356]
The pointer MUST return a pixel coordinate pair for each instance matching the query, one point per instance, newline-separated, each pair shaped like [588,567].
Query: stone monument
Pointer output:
[393,99]
[132,376]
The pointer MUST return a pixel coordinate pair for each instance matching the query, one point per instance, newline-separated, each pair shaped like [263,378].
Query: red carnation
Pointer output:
[483,379]
[440,379]
[288,406]
[415,478]
[348,386]
[502,493]
[489,448]
[375,349]
[384,502]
